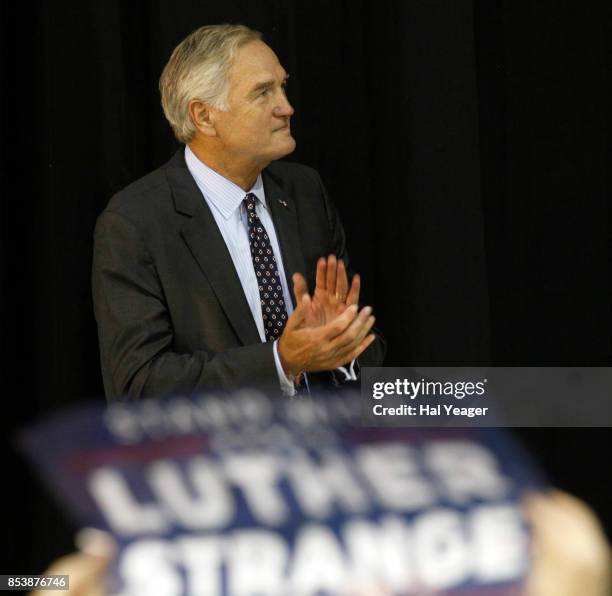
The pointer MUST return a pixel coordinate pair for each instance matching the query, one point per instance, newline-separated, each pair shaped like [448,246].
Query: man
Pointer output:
[192,262]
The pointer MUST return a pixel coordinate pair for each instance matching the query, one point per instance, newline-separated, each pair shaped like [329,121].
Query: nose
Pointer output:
[283,109]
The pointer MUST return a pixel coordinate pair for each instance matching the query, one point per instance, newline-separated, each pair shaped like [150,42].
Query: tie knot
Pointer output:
[250,202]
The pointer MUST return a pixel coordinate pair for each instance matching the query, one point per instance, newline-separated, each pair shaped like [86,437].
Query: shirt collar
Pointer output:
[223,194]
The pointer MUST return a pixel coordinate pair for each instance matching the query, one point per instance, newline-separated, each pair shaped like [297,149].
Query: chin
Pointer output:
[287,148]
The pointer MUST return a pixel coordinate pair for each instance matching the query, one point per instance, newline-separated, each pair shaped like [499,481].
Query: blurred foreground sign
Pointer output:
[244,494]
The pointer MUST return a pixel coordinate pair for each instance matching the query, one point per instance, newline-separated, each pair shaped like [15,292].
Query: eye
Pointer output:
[265,93]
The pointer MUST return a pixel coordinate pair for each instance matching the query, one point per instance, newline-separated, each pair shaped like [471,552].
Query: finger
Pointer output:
[346,358]
[321,280]
[338,325]
[299,287]
[86,573]
[95,542]
[561,509]
[331,274]
[341,281]
[362,347]
[355,332]
[353,295]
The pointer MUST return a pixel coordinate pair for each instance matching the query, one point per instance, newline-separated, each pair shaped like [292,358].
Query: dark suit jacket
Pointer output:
[172,316]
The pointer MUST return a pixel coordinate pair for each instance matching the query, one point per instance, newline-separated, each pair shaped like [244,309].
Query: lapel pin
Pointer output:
[283,203]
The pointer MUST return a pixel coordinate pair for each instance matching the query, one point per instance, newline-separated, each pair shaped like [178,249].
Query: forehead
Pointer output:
[255,62]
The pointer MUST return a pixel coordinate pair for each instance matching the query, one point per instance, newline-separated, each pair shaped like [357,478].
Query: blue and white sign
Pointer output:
[247,495]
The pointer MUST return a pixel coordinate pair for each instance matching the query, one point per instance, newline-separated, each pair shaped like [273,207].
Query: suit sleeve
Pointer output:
[374,355]
[135,329]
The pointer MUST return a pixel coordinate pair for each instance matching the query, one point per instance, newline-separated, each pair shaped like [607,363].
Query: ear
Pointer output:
[202,117]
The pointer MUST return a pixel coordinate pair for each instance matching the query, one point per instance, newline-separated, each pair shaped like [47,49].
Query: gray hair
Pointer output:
[199,69]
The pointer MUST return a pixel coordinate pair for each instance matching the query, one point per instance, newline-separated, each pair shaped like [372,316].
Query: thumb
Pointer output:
[298,316]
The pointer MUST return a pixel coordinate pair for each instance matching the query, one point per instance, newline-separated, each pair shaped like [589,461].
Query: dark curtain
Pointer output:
[466,144]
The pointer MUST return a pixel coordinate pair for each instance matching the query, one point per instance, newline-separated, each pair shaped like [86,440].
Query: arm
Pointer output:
[135,327]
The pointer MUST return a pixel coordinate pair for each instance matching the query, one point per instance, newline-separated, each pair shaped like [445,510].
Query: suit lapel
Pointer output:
[284,215]
[202,235]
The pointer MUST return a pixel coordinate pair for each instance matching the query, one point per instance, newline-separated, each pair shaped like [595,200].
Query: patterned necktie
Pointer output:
[268,278]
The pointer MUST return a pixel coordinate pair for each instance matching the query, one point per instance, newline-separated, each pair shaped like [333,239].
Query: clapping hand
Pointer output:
[332,295]
[326,330]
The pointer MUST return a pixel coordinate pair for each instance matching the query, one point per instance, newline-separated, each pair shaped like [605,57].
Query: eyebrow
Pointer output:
[266,85]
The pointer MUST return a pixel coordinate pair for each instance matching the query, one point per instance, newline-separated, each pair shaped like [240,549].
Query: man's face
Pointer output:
[256,128]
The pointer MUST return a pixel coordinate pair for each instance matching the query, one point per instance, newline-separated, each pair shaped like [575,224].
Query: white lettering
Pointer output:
[501,546]
[124,514]
[318,564]
[392,471]
[379,554]
[318,486]
[466,470]
[201,557]
[207,503]
[148,567]
[440,549]
[257,560]
[257,476]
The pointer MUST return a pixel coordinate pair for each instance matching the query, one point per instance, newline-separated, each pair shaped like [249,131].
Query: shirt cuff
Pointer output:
[286,384]
[349,373]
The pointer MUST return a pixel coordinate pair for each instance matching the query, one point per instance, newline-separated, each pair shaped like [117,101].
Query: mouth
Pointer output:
[284,127]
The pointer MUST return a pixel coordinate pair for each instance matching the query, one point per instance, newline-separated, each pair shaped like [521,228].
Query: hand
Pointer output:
[570,552]
[332,295]
[86,567]
[327,346]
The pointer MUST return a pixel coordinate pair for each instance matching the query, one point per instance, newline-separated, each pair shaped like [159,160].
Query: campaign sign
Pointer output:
[243,494]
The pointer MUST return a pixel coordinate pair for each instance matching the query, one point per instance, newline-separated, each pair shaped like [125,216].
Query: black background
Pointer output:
[466,144]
